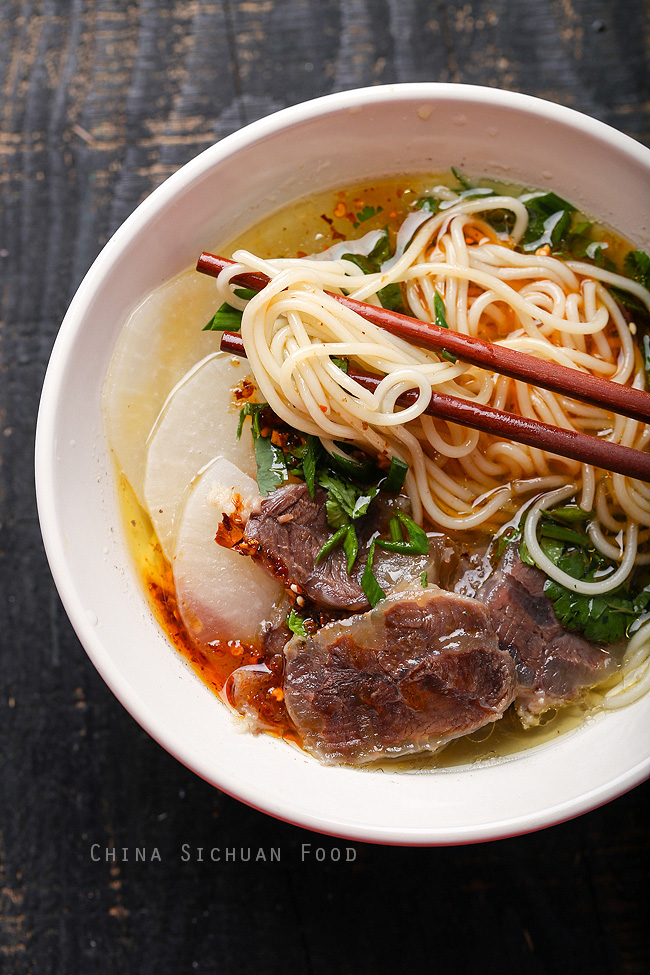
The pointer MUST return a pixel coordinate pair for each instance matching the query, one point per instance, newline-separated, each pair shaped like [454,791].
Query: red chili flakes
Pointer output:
[244,390]
[279,438]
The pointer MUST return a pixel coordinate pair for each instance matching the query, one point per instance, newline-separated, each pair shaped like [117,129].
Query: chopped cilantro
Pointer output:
[637,266]
[271,465]
[366,214]
[391,296]
[252,410]
[352,499]
[269,457]
[336,514]
[603,619]
[428,203]
[296,623]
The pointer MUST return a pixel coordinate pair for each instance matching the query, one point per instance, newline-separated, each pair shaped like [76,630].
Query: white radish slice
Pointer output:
[161,340]
[221,594]
[197,423]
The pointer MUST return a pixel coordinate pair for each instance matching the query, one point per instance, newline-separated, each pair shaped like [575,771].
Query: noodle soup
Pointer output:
[203,441]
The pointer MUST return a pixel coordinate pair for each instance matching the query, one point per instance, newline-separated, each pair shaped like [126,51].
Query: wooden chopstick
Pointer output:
[534,433]
[614,397]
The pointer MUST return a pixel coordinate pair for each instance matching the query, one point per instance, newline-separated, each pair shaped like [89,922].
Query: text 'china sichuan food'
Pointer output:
[346,564]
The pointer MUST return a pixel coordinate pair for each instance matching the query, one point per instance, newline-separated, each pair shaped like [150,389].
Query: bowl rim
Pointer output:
[45,434]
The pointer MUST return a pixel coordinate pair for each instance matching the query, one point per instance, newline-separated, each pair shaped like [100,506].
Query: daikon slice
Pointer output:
[196,424]
[221,594]
[161,340]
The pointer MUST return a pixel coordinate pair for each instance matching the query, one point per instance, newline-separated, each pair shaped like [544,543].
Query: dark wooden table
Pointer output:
[101,100]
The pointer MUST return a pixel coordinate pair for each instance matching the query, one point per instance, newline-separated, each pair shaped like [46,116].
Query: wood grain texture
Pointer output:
[101,101]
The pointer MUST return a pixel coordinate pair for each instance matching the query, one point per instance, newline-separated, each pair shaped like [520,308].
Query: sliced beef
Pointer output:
[552,664]
[290,529]
[421,668]
[273,638]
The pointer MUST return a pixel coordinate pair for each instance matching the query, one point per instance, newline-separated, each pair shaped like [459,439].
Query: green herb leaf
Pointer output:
[271,464]
[510,534]
[353,500]
[464,182]
[391,298]
[348,537]
[366,214]
[363,470]
[632,303]
[548,529]
[270,459]
[225,319]
[342,364]
[342,491]
[374,592]
[309,462]
[296,623]
[441,321]
[394,480]
[331,543]
[569,514]
[418,542]
[336,516]
[439,308]
[524,554]
[637,266]
[350,547]
[395,530]
[428,203]
[603,619]
[549,220]
[381,251]
[249,409]
[424,579]
[361,260]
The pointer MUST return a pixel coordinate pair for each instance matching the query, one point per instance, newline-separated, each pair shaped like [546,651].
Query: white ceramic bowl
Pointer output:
[332,141]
